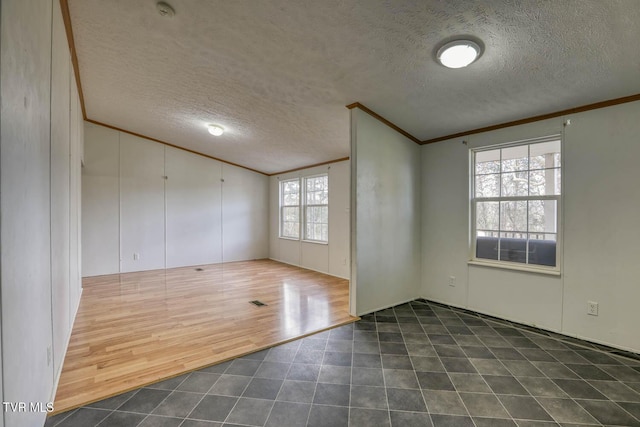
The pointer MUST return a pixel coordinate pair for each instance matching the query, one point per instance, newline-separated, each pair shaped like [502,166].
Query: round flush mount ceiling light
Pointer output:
[215,130]
[458,53]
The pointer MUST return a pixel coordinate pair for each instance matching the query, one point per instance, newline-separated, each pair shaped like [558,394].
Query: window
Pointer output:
[515,203]
[290,208]
[311,196]
[316,209]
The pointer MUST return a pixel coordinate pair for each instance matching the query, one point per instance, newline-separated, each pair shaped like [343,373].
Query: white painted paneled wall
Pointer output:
[245,214]
[40,152]
[332,258]
[142,239]
[193,209]
[101,201]
[135,219]
[386,202]
[601,204]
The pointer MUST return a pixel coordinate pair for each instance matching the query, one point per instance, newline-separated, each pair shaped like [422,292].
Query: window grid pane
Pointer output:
[290,191]
[290,221]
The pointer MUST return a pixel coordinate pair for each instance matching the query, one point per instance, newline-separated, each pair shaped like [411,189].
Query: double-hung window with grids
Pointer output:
[304,208]
[515,203]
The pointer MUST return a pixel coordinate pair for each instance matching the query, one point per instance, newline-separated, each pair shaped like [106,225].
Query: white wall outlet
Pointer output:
[592,308]
[452,280]
[344,261]
[136,256]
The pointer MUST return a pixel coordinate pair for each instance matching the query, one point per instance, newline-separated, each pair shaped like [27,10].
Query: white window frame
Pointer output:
[306,205]
[281,185]
[511,265]
[302,209]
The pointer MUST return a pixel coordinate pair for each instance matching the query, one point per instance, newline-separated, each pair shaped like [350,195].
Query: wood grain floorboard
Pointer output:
[135,329]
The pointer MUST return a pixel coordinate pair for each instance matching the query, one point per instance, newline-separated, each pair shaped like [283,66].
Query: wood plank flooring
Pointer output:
[138,328]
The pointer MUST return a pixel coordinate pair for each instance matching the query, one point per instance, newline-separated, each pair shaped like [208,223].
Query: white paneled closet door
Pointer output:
[193,207]
[142,204]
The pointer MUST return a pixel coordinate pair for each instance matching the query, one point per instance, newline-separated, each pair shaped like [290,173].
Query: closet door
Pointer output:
[194,222]
[141,204]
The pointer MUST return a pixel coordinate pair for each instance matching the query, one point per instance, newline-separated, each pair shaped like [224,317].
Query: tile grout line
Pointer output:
[529,345]
[204,395]
[449,376]
[588,345]
[281,385]
[384,380]
[414,368]
[542,372]
[315,389]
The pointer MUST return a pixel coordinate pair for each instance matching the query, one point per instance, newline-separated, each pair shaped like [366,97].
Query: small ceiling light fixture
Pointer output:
[215,130]
[458,53]
[165,10]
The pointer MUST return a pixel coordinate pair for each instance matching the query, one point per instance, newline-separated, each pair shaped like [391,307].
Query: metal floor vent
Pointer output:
[199,269]
[258,303]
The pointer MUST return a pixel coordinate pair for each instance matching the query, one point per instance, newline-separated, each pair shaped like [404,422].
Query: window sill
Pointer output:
[293,239]
[515,267]
[315,242]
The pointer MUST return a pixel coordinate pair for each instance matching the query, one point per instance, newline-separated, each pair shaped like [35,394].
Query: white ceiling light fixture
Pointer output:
[458,53]
[215,130]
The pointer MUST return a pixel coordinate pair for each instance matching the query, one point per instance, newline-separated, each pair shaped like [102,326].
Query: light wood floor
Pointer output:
[138,328]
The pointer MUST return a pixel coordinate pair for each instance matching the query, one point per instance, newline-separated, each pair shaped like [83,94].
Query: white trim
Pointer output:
[473,201]
[305,205]
[517,198]
[317,242]
[302,207]
[507,265]
[388,306]
[312,269]
[281,206]
[548,138]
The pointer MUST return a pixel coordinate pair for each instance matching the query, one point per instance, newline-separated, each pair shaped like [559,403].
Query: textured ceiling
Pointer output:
[277,74]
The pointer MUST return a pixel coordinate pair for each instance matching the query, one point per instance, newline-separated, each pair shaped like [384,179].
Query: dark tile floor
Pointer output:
[417,364]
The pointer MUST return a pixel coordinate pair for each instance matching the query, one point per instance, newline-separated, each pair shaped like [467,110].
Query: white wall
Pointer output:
[101,201]
[40,158]
[332,258]
[601,202]
[386,215]
[245,214]
[65,160]
[142,207]
[169,207]
[602,228]
[194,236]
[75,200]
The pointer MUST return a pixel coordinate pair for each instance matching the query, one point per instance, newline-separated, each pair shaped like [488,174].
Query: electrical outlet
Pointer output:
[344,261]
[136,256]
[592,308]
[452,280]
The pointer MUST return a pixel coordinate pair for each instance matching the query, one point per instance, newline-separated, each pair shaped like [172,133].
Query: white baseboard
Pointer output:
[308,268]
